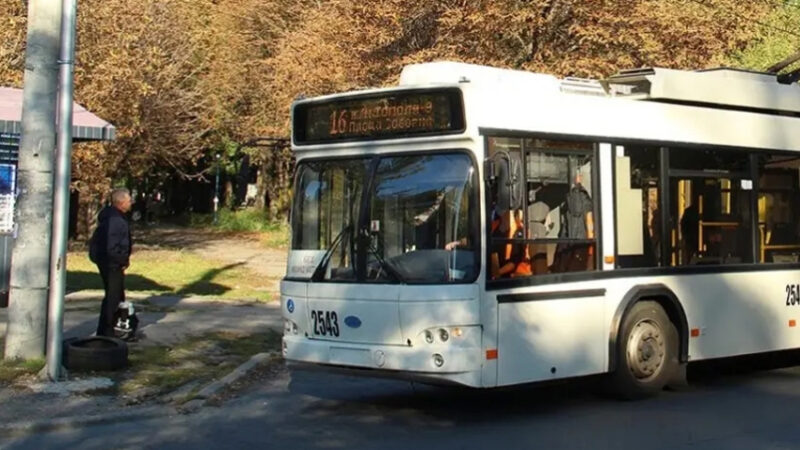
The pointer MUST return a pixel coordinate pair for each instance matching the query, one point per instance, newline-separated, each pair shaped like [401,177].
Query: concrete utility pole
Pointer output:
[27,313]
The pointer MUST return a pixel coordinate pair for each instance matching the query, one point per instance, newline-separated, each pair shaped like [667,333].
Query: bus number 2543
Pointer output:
[325,323]
[792,294]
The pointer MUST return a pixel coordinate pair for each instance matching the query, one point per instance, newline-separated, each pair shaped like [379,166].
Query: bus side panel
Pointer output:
[739,313]
[550,339]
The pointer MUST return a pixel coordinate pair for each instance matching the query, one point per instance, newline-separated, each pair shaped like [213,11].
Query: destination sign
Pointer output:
[404,114]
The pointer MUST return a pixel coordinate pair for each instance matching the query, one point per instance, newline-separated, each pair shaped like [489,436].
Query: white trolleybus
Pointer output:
[489,227]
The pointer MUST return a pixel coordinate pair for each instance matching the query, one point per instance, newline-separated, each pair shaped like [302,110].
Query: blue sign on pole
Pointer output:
[8,178]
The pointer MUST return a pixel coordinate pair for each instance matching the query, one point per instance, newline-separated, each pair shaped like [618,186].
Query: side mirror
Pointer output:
[503,172]
[503,185]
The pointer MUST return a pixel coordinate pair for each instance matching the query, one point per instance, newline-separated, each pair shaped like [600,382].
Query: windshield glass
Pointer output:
[326,210]
[419,226]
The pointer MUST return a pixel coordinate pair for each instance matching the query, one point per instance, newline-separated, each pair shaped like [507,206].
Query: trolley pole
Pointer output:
[25,336]
[58,247]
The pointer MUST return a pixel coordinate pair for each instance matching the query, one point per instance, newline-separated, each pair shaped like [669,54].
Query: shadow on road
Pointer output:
[204,285]
[356,396]
[80,280]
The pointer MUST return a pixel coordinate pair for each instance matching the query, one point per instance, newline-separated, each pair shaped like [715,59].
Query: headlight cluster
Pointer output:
[289,327]
[455,336]
[442,335]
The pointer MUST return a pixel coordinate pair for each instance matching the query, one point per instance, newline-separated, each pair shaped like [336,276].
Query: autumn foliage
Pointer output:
[183,78]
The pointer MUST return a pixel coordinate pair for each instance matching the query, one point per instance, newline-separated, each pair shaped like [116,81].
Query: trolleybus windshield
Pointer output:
[393,219]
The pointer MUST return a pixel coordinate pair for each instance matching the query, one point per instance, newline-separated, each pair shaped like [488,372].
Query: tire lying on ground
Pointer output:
[96,353]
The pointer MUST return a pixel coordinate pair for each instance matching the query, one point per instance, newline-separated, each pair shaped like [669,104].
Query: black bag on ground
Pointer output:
[126,322]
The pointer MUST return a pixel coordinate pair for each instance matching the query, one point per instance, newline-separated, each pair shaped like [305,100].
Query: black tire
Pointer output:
[646,352]
[97,353]
[65,352]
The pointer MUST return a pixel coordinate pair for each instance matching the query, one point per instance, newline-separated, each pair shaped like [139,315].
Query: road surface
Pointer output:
[300,410]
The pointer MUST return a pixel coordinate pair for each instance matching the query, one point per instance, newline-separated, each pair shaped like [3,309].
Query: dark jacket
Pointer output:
[111,243]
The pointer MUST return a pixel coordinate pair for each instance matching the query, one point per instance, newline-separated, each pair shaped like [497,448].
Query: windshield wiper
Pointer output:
[386,265]
[319,272]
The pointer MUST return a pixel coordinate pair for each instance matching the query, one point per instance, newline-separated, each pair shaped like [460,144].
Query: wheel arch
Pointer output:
[672,306]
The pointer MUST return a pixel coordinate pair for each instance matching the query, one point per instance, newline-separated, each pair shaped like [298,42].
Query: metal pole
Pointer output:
[27,313]
[216,192]
[58,246]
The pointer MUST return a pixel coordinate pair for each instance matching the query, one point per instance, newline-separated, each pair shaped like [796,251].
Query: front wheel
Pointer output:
[646,352]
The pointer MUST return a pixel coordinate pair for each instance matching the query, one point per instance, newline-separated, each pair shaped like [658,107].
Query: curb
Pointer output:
[22,428]
[209,391]
[27,427]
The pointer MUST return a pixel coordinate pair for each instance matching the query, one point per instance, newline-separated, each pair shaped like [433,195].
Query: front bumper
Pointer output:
[461,365]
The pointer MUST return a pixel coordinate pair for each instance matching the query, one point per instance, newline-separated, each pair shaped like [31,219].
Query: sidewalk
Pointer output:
[165,321]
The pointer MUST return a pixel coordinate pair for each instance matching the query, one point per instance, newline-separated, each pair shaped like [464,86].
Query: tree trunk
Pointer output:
[228,195]
[261,185]
[88,207]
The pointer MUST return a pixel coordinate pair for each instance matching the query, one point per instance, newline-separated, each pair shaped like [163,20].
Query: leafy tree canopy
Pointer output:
[184,79]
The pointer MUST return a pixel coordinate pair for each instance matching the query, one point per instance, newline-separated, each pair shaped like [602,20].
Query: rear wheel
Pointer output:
[647,352]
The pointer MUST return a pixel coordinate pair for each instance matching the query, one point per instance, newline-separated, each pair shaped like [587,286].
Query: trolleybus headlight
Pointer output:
[428,336]
[443,335]
[438,360]
[287,326]
[294,328]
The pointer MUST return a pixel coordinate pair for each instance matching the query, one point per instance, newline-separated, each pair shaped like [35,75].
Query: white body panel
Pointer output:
[735,313]
[379,342]
[375,306]
[550,339]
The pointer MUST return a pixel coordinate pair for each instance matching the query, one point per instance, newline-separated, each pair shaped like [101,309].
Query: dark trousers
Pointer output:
[114,286]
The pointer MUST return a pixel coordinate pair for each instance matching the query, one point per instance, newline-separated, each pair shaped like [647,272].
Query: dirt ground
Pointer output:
[165,322]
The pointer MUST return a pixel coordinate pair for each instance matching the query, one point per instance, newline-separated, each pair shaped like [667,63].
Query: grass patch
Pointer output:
[249,219]
[10,370]
[271,233]
[277,236]
[202,358]
[173,272]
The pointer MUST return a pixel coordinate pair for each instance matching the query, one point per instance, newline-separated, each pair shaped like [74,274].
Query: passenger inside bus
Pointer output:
[508,259]
[690,221]
[579,224]
[539,227]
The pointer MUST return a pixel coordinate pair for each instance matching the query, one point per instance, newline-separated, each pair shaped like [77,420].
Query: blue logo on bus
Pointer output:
[290,305]
[352,321]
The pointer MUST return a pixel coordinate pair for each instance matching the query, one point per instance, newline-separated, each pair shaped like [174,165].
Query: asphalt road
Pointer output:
[302,410]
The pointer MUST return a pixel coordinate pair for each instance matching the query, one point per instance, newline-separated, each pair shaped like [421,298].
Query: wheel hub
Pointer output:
[645,349]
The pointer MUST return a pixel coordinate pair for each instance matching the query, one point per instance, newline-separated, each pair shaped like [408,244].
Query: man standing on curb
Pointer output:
[110,249]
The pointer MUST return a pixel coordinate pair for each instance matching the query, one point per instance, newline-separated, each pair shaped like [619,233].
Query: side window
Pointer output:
[710,207]
[551,227]
[637,196]
[306,227]
[779,209]
[507,257]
